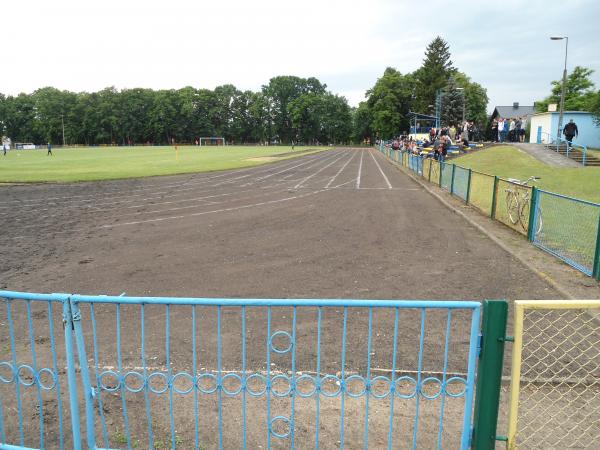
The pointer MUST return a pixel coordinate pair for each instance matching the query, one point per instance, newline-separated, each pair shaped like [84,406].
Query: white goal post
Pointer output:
[212,140]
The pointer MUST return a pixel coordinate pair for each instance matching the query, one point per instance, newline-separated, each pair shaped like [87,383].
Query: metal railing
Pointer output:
[565,227]
[153,372]
[551,141]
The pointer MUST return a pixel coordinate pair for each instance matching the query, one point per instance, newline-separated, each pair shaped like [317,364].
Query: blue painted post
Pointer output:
[71,376]
[85,375]
[539,135]
[452,179]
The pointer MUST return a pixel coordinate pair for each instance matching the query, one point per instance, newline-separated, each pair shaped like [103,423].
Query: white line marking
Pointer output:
[321,169]
[359,170]
[236,208]
[340,171]
[343,184]
[379,167]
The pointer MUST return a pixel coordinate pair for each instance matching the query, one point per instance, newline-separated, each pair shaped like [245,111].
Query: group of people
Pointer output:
[509,130]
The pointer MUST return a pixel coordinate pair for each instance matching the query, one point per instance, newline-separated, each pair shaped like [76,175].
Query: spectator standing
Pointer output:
[570,131]
[511,130]
[518,125]
[49,149]
[495,131]
[523,127]
[501,130]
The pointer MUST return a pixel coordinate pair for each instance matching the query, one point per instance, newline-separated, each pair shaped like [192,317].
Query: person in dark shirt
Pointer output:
[49,149]
[570,131]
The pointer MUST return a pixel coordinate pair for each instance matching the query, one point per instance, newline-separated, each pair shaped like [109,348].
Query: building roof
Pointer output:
[564,112]
[511,111]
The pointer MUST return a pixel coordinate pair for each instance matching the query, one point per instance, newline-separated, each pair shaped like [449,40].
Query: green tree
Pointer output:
[389,102]
[476,98]
[361,123]
[579,91]
[453,101]
[434,73]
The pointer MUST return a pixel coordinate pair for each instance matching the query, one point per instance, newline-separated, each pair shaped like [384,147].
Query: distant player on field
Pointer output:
[49,149]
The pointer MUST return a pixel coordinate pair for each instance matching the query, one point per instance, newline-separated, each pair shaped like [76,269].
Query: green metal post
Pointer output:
[532,209]
[494,198]
[429,176]
[489,374]
[452,179]
[596,268]
[468,188]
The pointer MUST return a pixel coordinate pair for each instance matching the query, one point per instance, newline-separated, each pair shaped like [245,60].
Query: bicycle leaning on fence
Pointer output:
[518,203]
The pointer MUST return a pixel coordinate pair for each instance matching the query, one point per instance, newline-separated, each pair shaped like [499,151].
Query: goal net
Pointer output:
[205,141]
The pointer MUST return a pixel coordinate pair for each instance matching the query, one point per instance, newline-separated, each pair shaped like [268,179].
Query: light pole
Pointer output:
[562,92]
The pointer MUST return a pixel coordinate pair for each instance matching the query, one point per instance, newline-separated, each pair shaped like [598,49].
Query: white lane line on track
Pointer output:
[315,173]
[343,184]
[203,201]
[128,199]
[236,208]
[379,167]
[359,169]
[340,171]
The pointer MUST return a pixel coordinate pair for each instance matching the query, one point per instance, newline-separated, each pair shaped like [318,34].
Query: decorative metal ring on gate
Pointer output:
[138,376]
[431,381]
[410,380]
[281,351]
[10,369]
[456,380]
[235,377]
[52,375]
[164,379]
[280,419]
[207,376]
[104,386]
[283,393]
[388,389]
[20,377]
[336,381]
[361,392]
[259,377]
[309,393]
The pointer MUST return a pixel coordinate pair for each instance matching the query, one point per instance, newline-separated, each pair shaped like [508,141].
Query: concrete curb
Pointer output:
[555,284]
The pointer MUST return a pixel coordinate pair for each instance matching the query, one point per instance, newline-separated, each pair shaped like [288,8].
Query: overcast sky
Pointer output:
[82,45]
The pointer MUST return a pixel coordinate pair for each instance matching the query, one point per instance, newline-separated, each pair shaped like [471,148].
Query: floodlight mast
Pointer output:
[562,93]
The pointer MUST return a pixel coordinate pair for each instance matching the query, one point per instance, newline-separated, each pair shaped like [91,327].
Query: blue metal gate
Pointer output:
[150,372]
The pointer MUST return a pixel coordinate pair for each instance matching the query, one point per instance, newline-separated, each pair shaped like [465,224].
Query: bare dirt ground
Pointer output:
[337,224]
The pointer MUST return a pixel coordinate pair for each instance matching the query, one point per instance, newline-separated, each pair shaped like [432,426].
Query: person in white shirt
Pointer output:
[511,130]
[501,130]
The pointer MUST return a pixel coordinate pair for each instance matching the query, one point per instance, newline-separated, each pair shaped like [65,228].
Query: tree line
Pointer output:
[287,109]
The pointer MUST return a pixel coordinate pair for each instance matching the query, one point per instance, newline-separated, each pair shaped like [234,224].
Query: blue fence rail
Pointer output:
[153,372]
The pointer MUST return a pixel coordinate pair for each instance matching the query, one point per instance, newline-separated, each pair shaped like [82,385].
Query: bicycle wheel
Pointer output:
[524,213]
[512,207]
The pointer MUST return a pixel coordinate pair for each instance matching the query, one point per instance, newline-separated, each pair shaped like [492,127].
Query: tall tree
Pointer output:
[453,102]
[389,102]
[434,73]
[579,91]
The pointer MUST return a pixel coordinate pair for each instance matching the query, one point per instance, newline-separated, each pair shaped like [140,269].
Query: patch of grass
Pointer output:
[511,162]
[105,163]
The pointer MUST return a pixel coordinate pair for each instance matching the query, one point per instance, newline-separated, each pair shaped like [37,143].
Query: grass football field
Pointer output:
[106,163]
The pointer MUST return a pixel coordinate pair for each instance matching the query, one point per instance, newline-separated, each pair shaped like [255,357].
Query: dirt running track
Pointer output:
[336,224]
